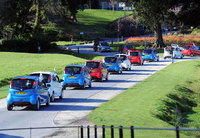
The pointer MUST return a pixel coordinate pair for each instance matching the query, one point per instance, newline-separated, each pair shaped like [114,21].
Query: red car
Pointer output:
[97,69]
[125,48]
[135,57]
[191,50]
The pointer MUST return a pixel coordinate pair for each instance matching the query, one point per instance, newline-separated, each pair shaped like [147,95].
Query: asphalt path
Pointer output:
[77,103]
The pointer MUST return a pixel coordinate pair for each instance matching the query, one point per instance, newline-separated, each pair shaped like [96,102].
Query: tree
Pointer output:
[112,3]
[15,15]
[73,6]
[189,13]
[152,13]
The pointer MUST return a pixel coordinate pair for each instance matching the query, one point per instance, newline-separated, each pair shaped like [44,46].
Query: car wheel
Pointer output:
[107,77]
[181,56]
[174,56]
[90,85]
[157,59]
[192,55]
[37,105]
[48,101]
[121,71]
[52,97]
[164,57]
[101,79]
[83,87]
[61,94]
[9,107]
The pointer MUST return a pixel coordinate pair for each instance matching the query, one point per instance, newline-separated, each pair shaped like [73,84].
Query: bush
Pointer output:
[27,45]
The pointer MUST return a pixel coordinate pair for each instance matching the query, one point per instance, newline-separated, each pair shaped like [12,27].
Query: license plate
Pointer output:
[147,55]
[110,64]
[21,93]
[133,57]
[72,76]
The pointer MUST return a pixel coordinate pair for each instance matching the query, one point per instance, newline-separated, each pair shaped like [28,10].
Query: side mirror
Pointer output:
[48,85]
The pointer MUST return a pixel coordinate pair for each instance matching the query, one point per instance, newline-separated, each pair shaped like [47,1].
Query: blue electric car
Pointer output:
[27,91]
[150,55]
[76,76]
[113,64]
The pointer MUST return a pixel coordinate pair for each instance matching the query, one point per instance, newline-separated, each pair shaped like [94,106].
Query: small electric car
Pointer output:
[135,57]
[76,76]
[97,69]
[191,50]
[172,51]
[113,64]
[28,91]
[51,78]
[150,55]
[126,64]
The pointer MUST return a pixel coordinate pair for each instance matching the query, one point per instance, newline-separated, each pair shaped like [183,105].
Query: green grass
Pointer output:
[63,43]
[136,105]
[17,64]
[93,22]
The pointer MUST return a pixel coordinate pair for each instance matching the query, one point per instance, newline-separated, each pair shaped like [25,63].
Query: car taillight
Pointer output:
[11,83]
[81,69]
[64,69]
[49,77]
[34,84]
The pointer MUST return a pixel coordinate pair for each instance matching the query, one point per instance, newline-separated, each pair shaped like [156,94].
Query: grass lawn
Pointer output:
[63,43]
[17,64]
[136,105]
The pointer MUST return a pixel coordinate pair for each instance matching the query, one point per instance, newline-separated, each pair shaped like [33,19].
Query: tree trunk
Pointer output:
[158,36]
[73,15]
[37,16]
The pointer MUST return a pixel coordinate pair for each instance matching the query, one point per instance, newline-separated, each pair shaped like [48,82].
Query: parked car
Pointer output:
[135,57]
[113,64]
[51,78]
[104,47]
[126,48]
[97,70]
[76,76]
[150,55]
[126,64]
[28,91]
[191,50]
[174,51]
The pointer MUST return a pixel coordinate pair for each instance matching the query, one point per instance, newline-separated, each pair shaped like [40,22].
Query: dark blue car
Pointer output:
[27,91]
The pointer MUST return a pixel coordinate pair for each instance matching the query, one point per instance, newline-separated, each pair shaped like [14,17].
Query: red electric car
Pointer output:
[135,57]
[98,70]
[191,50]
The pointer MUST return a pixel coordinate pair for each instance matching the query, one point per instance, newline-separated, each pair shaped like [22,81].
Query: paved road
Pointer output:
[77,103]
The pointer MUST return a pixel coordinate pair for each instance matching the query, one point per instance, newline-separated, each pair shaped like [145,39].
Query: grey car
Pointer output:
[104,47]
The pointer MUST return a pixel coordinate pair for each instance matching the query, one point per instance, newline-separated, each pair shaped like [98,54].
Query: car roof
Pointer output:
[134,50]
[27,77]
[81,66]
[42,72]
[122,54]
[93,61]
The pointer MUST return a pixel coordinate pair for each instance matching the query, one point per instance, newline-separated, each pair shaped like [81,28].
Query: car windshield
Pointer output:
[46,77]
[22,84]
[148,51]
[104,44]
[134,53]
[129,46]
[186,47]
[92,64]
[122,57]
[73,70]
[111,59]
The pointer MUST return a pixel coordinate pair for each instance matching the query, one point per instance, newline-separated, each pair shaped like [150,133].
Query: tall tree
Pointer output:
[15,15]
[152,13]
[73,6]
[112,3]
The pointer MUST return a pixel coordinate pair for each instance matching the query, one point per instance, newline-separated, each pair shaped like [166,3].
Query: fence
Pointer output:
[102,133]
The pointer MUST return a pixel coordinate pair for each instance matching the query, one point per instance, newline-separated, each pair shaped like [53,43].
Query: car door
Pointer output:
[42,91]
[57,85]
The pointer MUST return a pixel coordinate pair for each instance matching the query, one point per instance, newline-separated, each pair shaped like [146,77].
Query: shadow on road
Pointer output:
[80,100]
[8,136]
[121,81]
[62,107]
[138,70]
[155,65]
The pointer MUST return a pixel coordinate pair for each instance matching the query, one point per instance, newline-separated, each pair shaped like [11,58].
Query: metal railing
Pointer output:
[102,132]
